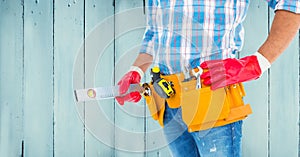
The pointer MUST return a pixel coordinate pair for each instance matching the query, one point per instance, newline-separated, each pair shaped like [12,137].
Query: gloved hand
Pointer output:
[132,77]
[221,73]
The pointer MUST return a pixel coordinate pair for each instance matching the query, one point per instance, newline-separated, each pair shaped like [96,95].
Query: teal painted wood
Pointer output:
[68,35]
[38,64]
[130,122]
[255,130]
[284,102]
[11,78]
[35,122]
[99,61]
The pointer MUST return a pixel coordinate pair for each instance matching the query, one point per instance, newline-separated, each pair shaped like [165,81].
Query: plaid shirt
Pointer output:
[183,33]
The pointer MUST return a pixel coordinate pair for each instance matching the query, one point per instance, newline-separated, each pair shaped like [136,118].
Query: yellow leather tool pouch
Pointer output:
[156,105]
[203,108]
[238,110]
[202,105]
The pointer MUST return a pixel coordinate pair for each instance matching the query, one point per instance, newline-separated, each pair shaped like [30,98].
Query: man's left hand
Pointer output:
[221,73]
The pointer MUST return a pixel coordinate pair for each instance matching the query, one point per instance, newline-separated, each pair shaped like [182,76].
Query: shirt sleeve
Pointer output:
[147,45]
[289,5]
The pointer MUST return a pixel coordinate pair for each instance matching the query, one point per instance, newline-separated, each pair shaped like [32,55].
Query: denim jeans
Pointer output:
[223,141]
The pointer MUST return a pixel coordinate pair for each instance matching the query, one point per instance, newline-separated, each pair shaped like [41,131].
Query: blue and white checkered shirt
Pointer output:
[182,33]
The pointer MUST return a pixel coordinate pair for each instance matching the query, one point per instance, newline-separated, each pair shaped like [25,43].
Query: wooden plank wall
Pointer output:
[68,31]
[273,128]
[44,57]
[38,78]
[257,124]
[11,79]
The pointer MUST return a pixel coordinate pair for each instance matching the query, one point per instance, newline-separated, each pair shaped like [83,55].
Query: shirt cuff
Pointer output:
[264,64]
[138,70]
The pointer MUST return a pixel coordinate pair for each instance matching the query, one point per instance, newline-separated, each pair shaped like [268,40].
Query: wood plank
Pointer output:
[284,102]
[11,80]
[129,119]
[68,36]
[256,125]
[38,64]
[99,61]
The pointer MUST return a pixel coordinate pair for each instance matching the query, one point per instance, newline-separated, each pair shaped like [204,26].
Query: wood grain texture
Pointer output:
[68,36]
[255,129]
[11,78]
[44,57]
[284,102]
[99,67]
[130,124]
[38,79]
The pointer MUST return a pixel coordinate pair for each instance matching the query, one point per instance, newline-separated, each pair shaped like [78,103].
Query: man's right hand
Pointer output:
[132,77]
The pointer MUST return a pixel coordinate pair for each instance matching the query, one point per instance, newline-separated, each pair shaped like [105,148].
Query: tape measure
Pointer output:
[162,87]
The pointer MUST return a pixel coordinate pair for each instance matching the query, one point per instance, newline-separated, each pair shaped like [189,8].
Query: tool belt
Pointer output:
[202,108]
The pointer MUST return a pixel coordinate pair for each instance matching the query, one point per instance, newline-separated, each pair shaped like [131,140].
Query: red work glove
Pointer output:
[132,77]
[221,73]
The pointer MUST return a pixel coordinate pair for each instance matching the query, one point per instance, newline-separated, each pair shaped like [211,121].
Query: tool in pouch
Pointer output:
[196,72]
[100,93]
[161,86]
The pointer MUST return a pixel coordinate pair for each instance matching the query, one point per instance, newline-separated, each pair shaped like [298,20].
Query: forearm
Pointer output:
[284,28]
[143,61]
